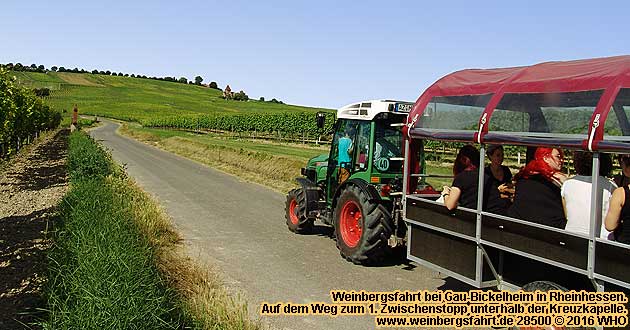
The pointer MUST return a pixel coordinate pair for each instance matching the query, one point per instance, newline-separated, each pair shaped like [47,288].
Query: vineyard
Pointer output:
[297,123]
[171,105]
[22,115]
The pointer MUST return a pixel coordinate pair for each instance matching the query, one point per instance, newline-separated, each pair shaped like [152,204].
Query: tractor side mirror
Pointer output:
[321,120]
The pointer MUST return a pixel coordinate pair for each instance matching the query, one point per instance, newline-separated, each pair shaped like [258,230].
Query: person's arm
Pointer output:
[452,197]
[614,209]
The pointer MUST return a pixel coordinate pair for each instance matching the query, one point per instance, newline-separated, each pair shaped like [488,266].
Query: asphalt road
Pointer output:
[239,227]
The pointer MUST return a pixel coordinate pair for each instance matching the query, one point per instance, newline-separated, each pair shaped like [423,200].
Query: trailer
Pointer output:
[574,105]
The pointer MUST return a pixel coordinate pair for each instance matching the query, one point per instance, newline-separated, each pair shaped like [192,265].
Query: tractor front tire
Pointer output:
[296,212]
[362,227]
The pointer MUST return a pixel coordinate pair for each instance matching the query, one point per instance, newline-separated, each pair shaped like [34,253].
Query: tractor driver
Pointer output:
[345,154]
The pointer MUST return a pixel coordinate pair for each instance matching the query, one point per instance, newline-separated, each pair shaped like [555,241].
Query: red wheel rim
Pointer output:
[292,214]
[349,224]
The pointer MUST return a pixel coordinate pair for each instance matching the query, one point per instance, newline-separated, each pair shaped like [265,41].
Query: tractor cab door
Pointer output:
[349,153]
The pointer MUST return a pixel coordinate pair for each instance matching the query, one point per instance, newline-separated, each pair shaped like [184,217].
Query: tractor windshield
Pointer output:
[388,142]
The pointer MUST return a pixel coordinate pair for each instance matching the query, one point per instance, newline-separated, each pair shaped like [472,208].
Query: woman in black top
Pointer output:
[500,175]
[623,178]
[619,214]
[537,198]
[464,189]
[496,170]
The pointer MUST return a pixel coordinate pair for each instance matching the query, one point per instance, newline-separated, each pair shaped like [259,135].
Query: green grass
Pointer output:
[117,262]
[138,99]
[103,273]
[302,152]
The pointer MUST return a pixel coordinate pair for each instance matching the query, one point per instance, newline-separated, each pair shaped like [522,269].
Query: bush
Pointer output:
[241,96]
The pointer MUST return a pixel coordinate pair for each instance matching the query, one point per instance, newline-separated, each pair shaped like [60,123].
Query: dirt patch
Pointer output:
[30,188]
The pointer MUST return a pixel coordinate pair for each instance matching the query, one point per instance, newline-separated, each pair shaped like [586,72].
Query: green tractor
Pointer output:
[357,187]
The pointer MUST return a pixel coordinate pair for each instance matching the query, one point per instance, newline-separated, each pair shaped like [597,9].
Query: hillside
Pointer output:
[139,99]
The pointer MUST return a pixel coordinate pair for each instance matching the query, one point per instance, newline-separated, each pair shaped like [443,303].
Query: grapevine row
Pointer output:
[22,114]
[298,122]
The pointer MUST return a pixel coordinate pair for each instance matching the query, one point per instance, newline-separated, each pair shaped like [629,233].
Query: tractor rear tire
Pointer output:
[296,212]
[362,227]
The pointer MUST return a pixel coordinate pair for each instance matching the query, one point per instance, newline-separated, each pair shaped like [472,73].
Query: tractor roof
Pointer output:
[367,110]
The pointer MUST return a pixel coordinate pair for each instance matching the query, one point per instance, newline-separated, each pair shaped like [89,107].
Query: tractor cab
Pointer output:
[363,168]
[373,130]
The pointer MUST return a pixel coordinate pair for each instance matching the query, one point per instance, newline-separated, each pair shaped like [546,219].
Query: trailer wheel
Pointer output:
[362,227]
[295,212]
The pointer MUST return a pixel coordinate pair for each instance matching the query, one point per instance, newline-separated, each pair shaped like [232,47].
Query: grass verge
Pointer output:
[273,165]
[117,263]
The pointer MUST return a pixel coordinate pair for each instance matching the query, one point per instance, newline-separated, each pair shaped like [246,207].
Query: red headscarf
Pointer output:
[538,165]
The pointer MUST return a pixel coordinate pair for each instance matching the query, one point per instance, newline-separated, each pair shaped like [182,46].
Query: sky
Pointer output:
[314,53]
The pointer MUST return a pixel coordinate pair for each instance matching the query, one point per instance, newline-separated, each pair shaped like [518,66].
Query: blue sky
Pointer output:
[317,53]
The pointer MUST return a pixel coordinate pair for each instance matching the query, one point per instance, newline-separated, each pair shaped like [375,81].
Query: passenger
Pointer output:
[619,210]
[464,189]
[500,174]
[623,178]
[576,193]
[496,170]
[537,198]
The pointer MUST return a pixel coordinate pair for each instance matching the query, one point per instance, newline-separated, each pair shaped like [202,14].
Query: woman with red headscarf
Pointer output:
[537,198]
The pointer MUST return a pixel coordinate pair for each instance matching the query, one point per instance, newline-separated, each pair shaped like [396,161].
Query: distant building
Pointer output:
[227,93]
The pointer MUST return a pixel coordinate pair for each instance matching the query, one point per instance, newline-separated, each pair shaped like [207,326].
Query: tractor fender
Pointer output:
[368,189]
[312,193]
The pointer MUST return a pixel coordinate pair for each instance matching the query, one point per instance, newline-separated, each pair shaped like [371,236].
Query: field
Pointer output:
[168,104]
[137,99]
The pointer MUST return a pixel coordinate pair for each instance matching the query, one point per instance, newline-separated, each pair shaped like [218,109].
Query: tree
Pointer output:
[75,70]
[120,74]
[241,96]
[53,68]
[41,68]
[183,80]
[213,85]
[108,72]
[261,99]
[133,75]
[198,80]
[61,69]
[94,71]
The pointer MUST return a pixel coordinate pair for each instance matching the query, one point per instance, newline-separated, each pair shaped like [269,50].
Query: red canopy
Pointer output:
[608,74]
